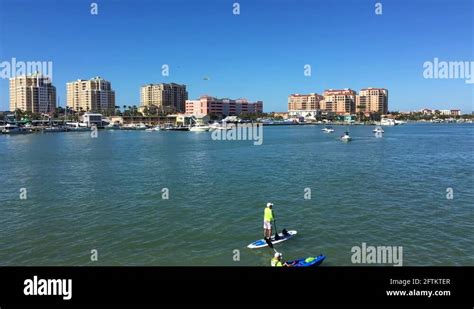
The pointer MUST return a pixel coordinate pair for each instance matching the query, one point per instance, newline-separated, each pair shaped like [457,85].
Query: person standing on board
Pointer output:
[267,221]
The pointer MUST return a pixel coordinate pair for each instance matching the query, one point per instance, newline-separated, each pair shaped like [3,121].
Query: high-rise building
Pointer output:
[33,93]
[372,100]
[95,95]
[163,95]
[305,105]
[339,101]
[207,105]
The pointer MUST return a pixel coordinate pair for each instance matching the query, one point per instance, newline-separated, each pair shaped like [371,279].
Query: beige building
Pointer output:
[33,93]
[163,95]
[339,101]
[305,105]
[95,95]
[372,100]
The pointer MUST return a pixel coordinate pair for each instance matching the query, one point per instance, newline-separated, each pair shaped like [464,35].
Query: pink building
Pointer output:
[207,105]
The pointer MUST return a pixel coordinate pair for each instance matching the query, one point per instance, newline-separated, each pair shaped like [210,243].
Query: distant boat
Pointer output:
[327,129]
[378,130]
[77,126]
[156,128]
[177,128]
[11,128]
[113,126]
[218,126]
[387,122]
[199,128]
[134,126]
[53,129]
[346,137]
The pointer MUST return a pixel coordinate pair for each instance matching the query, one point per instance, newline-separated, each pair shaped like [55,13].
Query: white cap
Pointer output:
[277,255]
[269,204]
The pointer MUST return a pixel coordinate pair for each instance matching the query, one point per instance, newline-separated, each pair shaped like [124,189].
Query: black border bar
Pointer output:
[239,285]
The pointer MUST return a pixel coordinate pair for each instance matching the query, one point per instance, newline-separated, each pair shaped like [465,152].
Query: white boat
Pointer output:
[387,122]
[199,128]
[77,126]
[53,129]
[11,128]
[134,126]
[218,126]
[400,122]
[156,128]
[327,130]
[346,137]
[378,130]
[113,126]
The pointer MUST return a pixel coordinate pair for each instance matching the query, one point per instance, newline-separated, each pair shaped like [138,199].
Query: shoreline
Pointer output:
[44,129]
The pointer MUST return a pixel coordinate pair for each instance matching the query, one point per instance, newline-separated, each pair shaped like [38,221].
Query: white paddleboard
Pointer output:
[262,243]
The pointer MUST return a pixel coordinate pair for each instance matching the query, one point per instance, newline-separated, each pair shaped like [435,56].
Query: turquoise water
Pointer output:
[105,194]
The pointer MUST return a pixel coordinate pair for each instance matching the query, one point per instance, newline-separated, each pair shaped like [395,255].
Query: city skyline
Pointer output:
[242,57]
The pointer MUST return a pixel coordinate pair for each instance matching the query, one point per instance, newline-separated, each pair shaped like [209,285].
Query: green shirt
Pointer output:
[276,263]
[268,215]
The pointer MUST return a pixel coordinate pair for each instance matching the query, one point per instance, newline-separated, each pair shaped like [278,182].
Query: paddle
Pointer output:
[277,237]
[269,243]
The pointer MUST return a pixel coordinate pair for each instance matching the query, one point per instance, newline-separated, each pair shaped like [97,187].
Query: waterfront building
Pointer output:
[449,112]
[95,95]
[339,101]
[170,97]
[444,112]
[284,115]
[32,93]
[372,100]
[304,105]
[426,111]
[207,105]
[91,119]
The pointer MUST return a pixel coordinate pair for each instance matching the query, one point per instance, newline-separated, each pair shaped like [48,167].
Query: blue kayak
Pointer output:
[306,262]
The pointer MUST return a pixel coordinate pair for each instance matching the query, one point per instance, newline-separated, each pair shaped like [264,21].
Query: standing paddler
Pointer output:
[267,221]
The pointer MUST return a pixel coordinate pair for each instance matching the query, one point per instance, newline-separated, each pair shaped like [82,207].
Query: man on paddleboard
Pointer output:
[267,221]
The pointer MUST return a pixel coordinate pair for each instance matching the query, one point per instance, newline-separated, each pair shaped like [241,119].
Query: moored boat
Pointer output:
[11,128]
[199,128]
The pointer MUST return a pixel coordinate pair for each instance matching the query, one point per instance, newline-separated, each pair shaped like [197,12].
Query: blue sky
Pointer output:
[259,54]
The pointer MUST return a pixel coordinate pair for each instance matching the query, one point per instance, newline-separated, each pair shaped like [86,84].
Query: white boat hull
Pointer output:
[199,129]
